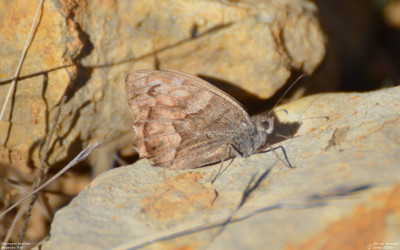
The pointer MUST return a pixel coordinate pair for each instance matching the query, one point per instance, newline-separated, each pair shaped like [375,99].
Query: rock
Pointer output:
[42,84]
[391,14]
[343,191]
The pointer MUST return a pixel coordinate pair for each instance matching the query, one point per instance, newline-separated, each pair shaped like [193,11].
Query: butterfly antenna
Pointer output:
[284,94]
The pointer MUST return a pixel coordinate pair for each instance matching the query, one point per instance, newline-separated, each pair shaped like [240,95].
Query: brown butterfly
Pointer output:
[183,122]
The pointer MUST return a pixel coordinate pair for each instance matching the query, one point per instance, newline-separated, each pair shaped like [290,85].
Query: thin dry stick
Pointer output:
[19,214]
[11,91]
[41,172]
[79,158]
[48,140]
[34,26]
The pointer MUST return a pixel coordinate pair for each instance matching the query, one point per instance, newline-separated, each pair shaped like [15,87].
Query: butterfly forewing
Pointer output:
[182,121]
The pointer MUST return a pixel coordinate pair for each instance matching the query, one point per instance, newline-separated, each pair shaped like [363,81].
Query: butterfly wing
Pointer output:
[182,121]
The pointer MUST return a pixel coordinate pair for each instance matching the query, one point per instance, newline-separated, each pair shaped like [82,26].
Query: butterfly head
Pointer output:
[264,126]
[265,123]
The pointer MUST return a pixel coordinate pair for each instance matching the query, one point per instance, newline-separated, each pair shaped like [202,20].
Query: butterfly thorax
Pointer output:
[249,140]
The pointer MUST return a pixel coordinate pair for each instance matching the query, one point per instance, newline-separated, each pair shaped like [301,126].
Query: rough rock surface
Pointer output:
[254,45]
[343,191]
[37,95]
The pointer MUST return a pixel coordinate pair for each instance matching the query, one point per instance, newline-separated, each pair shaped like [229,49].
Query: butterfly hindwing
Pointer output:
[182,121]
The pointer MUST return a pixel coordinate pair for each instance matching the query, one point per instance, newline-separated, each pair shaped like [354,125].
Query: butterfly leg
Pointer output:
[287,163]
[233,152]
[221,170]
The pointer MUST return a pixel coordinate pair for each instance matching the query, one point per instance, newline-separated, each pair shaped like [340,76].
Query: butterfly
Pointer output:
[184,122]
